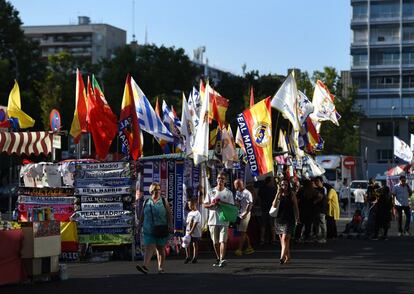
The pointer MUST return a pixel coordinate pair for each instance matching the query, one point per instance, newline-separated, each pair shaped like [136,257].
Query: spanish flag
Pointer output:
[129,132]
[255,125]
[14,108]
[218,107]
[79,124]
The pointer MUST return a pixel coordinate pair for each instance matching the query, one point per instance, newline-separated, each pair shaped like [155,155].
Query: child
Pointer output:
[193,229]
[355,224]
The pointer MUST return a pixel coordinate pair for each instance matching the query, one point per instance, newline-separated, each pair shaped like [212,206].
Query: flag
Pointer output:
[173,124]
[194,106]
[200,148]
[147,118]
[187,127]
[218,106]
[305,107]
[323,102]
[256,129]
[309,139]
[101,120]
[402,150]
[281,142]
[14,109]
[129,132]
[214,134]
[228,148]
[239,140]
[286,101]
[412,142]
[79,124]
[164,144]
[251,97]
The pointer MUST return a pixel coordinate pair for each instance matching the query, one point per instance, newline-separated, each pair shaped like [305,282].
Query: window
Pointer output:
[359,11]
[408,33]
[408,9]
[359,60]
[385,58]
[385,10]
[408,58]
[384,129]
[385,82]
[408,81]
[360,36]
[379,35]
[384,155]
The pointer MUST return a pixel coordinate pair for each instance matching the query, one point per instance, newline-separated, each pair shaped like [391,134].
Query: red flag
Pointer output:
[79,124]
[129,131]
[102,122]
[251,96]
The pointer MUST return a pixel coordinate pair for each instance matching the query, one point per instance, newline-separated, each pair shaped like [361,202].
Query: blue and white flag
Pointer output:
[147,118]
[402,150]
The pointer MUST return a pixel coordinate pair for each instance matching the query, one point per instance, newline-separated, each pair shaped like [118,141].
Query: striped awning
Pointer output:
[26,142]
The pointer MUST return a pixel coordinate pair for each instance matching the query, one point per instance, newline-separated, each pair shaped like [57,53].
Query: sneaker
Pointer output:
[194,260]
[248,251]
[222,263]
[321,241]
[161,271]
[141,268]
[187,260]
[217,263]
[400,234]
[238,252]
[407,233]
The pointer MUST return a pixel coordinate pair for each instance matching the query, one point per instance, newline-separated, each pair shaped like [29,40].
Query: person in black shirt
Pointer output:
[266,194]
[321,209]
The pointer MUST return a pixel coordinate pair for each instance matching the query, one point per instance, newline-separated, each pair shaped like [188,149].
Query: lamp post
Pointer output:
[393,133]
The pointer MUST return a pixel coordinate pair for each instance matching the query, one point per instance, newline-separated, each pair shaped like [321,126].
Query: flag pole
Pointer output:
[277,123]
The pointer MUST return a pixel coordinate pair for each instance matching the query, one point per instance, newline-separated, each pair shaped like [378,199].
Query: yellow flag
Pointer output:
[14,108]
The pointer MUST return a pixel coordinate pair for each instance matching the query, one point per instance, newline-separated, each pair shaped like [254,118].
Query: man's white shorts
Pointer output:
[218,234]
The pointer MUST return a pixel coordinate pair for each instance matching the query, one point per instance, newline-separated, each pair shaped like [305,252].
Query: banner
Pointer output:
[93,231]
[103,174]
[178,199]
[89,183]
[102,166]
[103,191]
[106,239]
[45,191]
[163,178]
[102,206]
[101,199]
[123,221]
[45,200]
[100,214]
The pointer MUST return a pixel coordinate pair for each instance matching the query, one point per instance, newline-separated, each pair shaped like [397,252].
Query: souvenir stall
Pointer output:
[104,193]
[11,241]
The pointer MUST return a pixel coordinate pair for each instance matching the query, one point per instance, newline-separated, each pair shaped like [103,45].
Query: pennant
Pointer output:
[256,129]
[79,124]
[129,132]
[228,148]
[286,101]
[101,120]
[402,150]
[187,128]
[323,102]
[200,148]
[164,144]
[305,107]
[147,118]
[14,109]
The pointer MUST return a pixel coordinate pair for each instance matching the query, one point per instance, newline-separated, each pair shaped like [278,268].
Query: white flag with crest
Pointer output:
[200,148]
[323,102]
[402,150]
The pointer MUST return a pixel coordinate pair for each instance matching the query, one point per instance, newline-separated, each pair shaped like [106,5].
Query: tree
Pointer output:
[19,59]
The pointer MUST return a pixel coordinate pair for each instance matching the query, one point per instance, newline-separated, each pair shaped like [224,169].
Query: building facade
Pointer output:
[86,40]
[382,72]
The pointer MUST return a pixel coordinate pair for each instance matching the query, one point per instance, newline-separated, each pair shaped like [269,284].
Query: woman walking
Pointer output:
[287,216]
[155,220]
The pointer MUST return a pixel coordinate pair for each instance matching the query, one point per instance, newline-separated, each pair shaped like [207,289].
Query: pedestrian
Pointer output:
[344,195]
[384,208]
[193,229]
[287,216]
[401,194]
[156,224]
[321,209]
[266,195]
[218,228]
[333,212]
[244,199]
[359,197]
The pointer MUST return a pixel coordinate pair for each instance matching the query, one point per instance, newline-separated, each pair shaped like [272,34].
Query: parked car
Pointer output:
[357,184]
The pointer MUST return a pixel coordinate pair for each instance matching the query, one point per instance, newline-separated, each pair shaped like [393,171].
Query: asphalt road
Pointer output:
[341,265]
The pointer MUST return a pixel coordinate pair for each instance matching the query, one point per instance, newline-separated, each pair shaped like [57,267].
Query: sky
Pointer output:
[267,35]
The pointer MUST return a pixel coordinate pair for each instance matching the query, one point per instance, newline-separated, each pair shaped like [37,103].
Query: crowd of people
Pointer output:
[282,208]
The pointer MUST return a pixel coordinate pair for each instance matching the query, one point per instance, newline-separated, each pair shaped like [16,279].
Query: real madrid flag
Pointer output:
[255,126]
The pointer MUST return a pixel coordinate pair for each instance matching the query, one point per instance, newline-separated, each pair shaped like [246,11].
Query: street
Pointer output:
[341,265]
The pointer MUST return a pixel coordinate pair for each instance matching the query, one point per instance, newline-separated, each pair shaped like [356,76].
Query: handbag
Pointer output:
[275,210]
[159,231]
[228,212]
